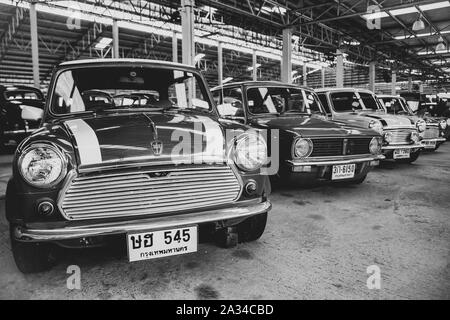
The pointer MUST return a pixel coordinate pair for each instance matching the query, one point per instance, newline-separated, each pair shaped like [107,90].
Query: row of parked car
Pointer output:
[144,150]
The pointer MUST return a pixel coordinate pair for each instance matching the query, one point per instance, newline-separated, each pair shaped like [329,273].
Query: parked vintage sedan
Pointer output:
[401,139]
[311,147]
[13,129]
[432,137]
[151,174]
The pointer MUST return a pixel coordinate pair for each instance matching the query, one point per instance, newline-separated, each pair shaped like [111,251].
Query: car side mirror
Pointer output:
[32,113]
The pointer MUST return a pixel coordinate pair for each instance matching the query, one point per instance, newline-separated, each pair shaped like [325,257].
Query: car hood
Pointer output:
[388,120]
[142,137]
[307,126]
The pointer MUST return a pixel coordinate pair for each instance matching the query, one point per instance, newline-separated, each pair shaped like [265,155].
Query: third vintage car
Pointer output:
[148,174]
[432,137]
[401,139]
[311,147]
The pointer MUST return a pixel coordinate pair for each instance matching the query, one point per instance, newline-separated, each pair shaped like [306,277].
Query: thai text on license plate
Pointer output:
[401,153]
[343,171]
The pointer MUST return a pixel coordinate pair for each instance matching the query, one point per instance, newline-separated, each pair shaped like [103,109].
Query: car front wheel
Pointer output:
[31,257]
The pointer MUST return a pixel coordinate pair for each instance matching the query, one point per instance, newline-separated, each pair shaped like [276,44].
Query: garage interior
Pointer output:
[320,239]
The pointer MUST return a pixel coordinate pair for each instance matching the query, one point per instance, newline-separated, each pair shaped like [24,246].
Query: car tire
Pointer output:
[411,159]
[252,228]
[31,257]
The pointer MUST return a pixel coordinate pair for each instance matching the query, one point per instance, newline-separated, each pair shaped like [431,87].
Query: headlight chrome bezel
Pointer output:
[388,137]
[310,148]
[379,142]
[443,124]
[239,141]
[53,148]
[421,125]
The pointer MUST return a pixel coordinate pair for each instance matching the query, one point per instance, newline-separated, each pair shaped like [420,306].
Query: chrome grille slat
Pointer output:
[431,132]
[401,136]
[125,182]
[121,199]
[131,190]
[138,193]
[173,208]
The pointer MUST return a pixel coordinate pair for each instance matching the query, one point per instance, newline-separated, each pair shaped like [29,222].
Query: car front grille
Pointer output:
[431,132]
[148,192]
[400,136]
[338,146]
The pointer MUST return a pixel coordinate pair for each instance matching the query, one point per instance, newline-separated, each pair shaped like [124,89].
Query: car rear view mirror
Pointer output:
[32,113]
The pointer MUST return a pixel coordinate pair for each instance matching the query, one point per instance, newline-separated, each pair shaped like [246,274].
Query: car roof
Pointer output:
[126,61]
[348,89]
[387,96]
[251,83]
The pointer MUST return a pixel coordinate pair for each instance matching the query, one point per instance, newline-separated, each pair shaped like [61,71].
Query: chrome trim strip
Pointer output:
[434,139]
[243,209]
[408,146]
[317,162]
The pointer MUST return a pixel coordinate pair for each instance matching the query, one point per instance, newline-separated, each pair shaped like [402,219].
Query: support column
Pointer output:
[174,47]
[286,59]
[115,34]
[322,76]
[255,69]
[339,69]
[187,25]
[410,84]
[394,82]
[34,45]
[372,76]
[421,88]
[220,63]
[305,74]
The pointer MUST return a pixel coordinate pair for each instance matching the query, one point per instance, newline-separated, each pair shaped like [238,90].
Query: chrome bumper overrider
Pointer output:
[243,209]
[334,161]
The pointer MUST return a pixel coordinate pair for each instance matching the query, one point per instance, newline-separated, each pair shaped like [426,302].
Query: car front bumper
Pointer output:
[390,148]
[436,141]
[329,161]
[51,232]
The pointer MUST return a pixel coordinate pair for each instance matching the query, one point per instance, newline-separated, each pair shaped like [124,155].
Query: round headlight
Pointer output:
[443,124]
[42,165]
[421,125]
[376,125]
[375,146]
[302,148]
[387,136]
[448,122]
[415,137]
[250,151]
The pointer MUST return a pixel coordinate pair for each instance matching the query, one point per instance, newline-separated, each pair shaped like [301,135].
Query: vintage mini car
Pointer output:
[150,174]
[13,129]
[312,148]
[432,137]
[401,139]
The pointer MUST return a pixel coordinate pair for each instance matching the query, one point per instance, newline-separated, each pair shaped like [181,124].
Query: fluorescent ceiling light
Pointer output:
[437,5]
[399,12]
[375,15]
[103,43]
[421,35]
[227,79]
[251,68]
[198,57]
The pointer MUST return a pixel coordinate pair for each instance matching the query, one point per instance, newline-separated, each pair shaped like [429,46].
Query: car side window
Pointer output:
[229,102]
[324,101]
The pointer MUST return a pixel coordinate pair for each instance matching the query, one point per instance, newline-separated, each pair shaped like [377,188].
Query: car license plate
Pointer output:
[343,171]
[402,153]
[430,144]
[161,243]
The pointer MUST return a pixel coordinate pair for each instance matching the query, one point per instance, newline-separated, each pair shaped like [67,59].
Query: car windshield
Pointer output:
[282,100]
[119,88]
[395,105]
[23,94]
[351,101]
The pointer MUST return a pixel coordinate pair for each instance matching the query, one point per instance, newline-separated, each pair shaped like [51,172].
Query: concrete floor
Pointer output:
[317,245]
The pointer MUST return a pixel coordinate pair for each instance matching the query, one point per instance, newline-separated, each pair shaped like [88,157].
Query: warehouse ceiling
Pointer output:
[364,31]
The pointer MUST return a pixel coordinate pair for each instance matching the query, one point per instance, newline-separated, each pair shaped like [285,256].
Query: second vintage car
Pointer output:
[311,147]
[432,137]
[151,174]
[13,98]
[401,140]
